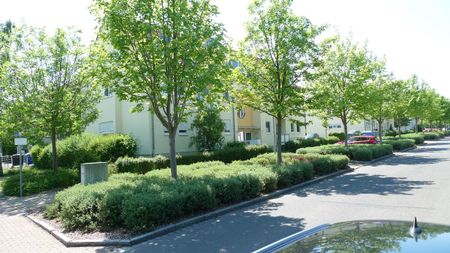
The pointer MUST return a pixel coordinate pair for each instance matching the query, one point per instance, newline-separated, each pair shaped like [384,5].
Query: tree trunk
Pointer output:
[399,128]
[344,122]
[173,155]
[1,167]
[380,130]
[279,157]
[417,125]
[54,162]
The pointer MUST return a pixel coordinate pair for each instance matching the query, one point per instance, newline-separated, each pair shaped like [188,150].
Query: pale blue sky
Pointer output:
[413,35]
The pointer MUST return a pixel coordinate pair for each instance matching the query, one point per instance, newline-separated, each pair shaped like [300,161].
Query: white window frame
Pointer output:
[292,127]
[108,130]
[268,129]
[183,129]
[227,128]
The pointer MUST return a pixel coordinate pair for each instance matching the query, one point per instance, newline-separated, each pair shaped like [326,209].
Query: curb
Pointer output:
[191,221]
[173,227]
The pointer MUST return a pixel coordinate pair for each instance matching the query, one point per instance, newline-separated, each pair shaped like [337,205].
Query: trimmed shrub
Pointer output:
[322,164]
[35,181]
[400,144]
[77,149]
[359,152]
[143,165]
[144,202]
[431,136]
[292,146]
[418,138]
[341,136]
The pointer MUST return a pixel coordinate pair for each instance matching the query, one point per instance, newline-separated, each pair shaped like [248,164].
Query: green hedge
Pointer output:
[341,136]
[77,149]
[359,152]
[35,181]
[227,155]
[418,138]
[144,202]
[322,164]
[292,146]
[432,135]
[400,144]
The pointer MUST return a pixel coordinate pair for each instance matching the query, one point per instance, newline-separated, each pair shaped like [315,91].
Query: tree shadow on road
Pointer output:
[240,231]
[362,183]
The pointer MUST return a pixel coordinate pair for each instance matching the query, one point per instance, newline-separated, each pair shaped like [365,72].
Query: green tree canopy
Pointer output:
[208,130]
[340,87]
[277,55]
[48,82]
[167,54]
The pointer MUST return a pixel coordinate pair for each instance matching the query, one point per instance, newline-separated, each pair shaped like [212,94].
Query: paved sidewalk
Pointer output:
[18,234]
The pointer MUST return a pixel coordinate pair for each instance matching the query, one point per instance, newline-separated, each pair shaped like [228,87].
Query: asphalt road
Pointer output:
[414,183]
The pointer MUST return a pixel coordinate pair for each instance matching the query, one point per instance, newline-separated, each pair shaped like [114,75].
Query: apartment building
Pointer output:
[245,125]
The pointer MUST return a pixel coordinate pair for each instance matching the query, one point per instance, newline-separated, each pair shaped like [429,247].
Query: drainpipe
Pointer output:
[152,119]
[234,123]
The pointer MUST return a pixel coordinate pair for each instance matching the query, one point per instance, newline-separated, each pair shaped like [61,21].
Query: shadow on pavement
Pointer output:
[20,206]
[237,232]
[361,183]
[411,160]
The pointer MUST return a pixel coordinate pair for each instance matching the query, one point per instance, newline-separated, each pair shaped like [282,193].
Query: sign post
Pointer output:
[20,142]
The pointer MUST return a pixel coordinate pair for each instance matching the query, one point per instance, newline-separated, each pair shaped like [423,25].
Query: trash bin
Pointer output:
[15,160]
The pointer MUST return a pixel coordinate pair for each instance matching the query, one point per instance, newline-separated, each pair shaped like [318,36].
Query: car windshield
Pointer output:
[385,236]
[359,138]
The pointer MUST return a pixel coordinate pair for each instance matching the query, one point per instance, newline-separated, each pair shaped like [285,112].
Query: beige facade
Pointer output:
[246,125]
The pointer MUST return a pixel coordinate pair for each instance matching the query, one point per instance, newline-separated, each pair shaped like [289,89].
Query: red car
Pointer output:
[361,140]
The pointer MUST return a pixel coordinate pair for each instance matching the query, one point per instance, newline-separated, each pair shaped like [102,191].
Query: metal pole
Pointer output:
[20,163]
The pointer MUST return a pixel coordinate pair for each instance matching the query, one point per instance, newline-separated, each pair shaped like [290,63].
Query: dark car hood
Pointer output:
[366,236]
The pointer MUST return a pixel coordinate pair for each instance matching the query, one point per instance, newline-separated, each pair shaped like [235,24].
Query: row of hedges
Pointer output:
[77,149]
[292,146]
[358,152]
[144,202]
[35,181]
[418,138]
[322,164]
[227,155]
[399,144]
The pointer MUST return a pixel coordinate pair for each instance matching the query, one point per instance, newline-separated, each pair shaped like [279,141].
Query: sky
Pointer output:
[412,35]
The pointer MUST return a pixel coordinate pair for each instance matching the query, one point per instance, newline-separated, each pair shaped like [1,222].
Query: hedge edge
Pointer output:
[173,227]
[191,221]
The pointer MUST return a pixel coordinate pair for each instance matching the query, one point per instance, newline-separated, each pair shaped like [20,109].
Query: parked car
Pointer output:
[366,236]
[369,133]
[361,139]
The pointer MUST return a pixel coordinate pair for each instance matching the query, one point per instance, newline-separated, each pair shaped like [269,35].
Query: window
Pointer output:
[183,128]
[298,128]
[107,92]
[106,127]
[227,129]
[267,126]
[292,127]
[166,132]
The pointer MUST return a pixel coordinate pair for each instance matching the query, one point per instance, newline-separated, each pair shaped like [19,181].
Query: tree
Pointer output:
[208,127]
[420,100]
[167,54]
[339,89]
[48,81]
[380,95]
[401,105]
[277,55]
[5,43]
